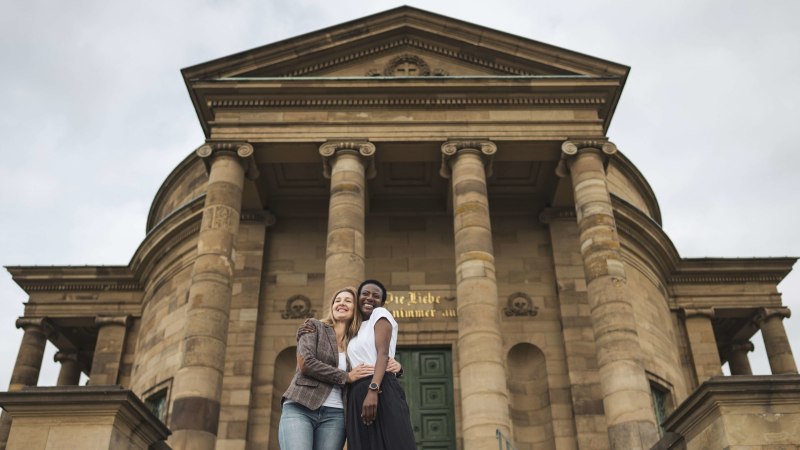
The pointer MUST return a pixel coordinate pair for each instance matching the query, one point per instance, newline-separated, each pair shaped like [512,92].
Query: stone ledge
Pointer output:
[91,417]
[745,411]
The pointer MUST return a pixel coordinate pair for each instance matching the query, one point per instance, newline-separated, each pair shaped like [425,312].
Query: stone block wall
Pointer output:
[160,336]
[237,385]
[622,187]
[188,181]
[294,264]
[578,336]
[657,334]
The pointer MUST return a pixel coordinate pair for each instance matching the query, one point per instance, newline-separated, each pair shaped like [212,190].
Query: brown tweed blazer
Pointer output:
[314,378]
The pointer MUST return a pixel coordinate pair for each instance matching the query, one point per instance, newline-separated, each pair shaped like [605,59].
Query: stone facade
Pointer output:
[470,171]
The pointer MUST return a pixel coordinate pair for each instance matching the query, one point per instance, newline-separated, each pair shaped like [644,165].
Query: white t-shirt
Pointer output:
[334,399]
[361,348]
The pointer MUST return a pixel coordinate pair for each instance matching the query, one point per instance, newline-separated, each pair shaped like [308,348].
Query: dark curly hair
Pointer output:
[376,283]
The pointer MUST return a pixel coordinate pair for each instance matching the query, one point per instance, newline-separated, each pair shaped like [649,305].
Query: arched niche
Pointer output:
[529,404]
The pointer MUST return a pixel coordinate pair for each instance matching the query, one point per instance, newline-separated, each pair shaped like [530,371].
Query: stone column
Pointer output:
[197,387]
[28,363]
[705,354]
[626,391]
[779,352]
[737,358]
[108,349]
[70,373]
[482,375]
[348,165]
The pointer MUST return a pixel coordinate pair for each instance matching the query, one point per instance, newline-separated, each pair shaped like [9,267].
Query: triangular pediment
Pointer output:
[405,42]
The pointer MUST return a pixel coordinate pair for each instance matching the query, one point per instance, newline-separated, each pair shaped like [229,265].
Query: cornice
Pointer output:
[645,237]
[740,391]
[621,162]
[395,29]
[731,270]
[74,278]
[723,278]
[648,234]
[403,23]
[166,236]
[302,102]
[169,182]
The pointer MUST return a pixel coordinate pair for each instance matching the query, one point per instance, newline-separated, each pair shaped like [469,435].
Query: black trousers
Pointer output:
[392,427]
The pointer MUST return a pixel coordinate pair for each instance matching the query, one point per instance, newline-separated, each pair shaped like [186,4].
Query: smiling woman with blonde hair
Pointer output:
[312,416]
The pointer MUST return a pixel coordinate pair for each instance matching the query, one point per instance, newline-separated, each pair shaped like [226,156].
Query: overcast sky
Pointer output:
[95,115]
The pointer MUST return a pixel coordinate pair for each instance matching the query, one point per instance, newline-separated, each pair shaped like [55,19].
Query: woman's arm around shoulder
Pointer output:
[308,360]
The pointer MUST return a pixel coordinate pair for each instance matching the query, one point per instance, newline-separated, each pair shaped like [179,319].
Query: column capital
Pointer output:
[41,323]
[365,149]
[689,313]
[102,321]
[208,151]
[450,149]
[745,346]
[767,313]
[571,148]
[61,356]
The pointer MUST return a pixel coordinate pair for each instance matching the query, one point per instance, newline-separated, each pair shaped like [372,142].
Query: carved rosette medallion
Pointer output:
[486,149]
[520,304]
[366,149]
[298,307]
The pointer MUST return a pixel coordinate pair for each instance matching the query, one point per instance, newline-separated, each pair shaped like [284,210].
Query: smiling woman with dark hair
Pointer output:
[377,412]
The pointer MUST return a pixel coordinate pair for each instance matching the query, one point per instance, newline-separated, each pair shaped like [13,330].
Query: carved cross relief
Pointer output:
[407,65]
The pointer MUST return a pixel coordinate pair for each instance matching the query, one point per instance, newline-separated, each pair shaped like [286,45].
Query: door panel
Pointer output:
[428,383]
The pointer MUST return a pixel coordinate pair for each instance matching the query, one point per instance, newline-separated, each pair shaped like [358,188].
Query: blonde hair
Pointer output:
[355,322]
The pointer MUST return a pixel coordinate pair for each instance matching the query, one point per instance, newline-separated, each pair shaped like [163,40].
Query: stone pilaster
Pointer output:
[702,342]
[576,329]
[239,387]
[197,387]
[738,361]
[779,352]
[28,363]
[348,165]
[484,395]
[70,372]
[626,391]
[108,349]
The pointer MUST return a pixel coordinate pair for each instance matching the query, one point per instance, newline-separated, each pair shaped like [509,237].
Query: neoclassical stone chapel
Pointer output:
[540,302]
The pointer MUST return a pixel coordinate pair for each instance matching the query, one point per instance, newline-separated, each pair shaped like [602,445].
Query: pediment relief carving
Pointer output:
[398,56]
[350,50]
[407,65]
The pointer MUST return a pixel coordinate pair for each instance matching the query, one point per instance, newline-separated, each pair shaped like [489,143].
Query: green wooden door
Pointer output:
[428,383]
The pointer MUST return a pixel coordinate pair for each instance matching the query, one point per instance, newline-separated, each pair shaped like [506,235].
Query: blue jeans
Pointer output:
[305,429]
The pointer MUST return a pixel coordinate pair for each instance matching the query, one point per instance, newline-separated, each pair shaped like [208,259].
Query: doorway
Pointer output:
[428,384]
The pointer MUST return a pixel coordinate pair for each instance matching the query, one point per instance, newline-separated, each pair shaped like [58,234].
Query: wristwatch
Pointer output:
[374,387]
